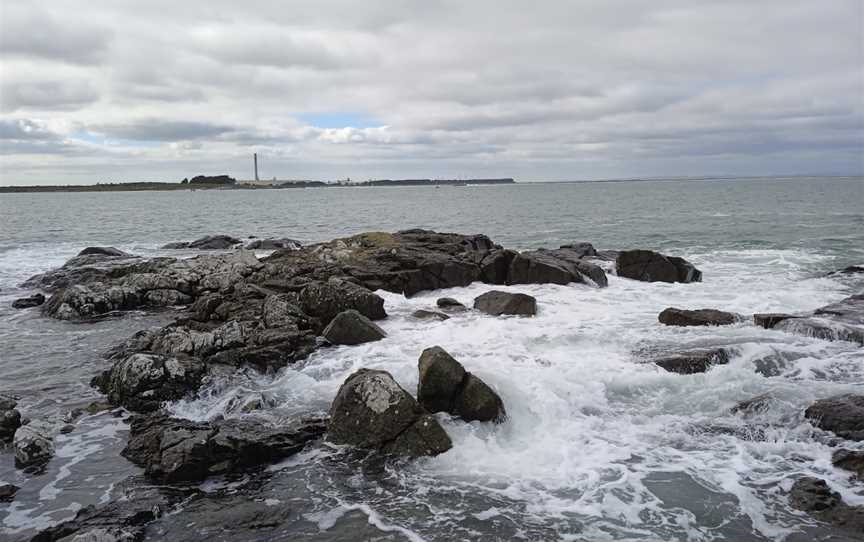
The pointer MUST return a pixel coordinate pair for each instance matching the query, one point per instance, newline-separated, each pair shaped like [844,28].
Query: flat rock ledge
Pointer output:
[371,411]
[693,361]
[445,386]
[701,317]
[498,303]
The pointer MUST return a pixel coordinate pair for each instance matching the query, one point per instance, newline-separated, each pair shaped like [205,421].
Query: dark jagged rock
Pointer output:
[372,411]
[10,418]
[350,327]
[841,321]
[561,266]
[754,405]
[34,444]
[143,381]
[174,450]
[770,319]
[273,244]
[814,496]
[450,304]
[208,242]
[841,414]
[325,300]
[89,268]
[7,492]
[27,302]
[582,249]
[445,386]
[122,520]
[498,303]
[423,314]
[495,266]
[701,317]
[851,460]
[105,251]
[649,266]
[697,361]
[282,310]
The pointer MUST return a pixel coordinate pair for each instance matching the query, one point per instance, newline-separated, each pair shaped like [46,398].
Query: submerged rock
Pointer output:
[814,496]
[450,304]
[7,492]
[649,266]
[208,242]
[143,381]
[841,414]
[692,362]
[701,317]
[175,450]
[27,302]
[372,411]
[350,327]
[499,303]
[851,460]
[770,319]
[445,386]
[34,444]
[423,314]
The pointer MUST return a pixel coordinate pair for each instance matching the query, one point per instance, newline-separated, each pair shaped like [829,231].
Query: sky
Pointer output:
[122,90]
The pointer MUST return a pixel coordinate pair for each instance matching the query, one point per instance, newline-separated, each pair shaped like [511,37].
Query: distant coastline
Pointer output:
[143,186]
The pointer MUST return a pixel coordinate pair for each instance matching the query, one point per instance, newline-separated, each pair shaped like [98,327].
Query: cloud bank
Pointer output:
[107,90]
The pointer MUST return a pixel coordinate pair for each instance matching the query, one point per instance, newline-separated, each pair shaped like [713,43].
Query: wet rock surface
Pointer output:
[650,266]
[7,492]
[175,450]
[423,314]
[10,418]
[692,362]
[34,444]
[104,251]
[208,242]
[450,304]
[841,321]
[701,317]
[28,302]
[814,496]
[273,244]
[851,460]
[498,303]
[445,386]
[350,327]
[768,320]
[842,414]
[325,300]
[561,266]
[372,411]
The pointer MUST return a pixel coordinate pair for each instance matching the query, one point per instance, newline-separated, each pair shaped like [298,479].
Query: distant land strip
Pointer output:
[243,185]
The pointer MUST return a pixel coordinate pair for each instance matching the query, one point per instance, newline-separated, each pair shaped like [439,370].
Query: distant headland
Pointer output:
[225,182]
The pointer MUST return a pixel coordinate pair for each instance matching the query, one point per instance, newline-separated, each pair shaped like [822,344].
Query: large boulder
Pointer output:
[372,411]
[34,444]
[27,302]
[498,303]
[143,381]
[692,362]
[350,327]
[208,242]
[445,386]
[174,450]
[814,496]
[561,266]
[701,317]
[10,418]
[325,300]
[841,414]
[650,266]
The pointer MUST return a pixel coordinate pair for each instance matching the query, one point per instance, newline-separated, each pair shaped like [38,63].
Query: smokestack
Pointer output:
[255,158]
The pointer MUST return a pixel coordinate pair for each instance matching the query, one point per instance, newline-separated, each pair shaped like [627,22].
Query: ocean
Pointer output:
[599,445]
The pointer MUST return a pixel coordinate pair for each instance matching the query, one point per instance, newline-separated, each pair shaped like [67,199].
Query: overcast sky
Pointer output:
[109,90]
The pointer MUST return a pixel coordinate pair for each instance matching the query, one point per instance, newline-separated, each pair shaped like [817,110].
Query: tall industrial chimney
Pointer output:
[255,158]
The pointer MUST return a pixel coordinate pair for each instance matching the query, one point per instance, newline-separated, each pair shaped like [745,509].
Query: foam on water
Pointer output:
[590,425]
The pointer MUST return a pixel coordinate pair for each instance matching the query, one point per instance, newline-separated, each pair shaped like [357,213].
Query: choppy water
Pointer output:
[598,445]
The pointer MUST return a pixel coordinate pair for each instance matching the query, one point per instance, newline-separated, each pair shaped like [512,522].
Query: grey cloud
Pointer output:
[161,130]
[46,95]
[31,32]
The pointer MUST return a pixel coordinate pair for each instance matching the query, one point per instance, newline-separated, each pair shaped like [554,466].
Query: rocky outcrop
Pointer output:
[7,492]
[841,321]
[95,267]
[692,362]
[325,300]
[104,251]
[841,414]
[350,327]
[561,266]
[649,266]
[143,381]
[423,314]
[172,450]
[34,444]
[701,317]
[851,460]
[27,302]
[445,386]
[450,304]
[372,411]
[273,244]
[814,496]
[208,242]
[499,303]
[10,418]
[770,319]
